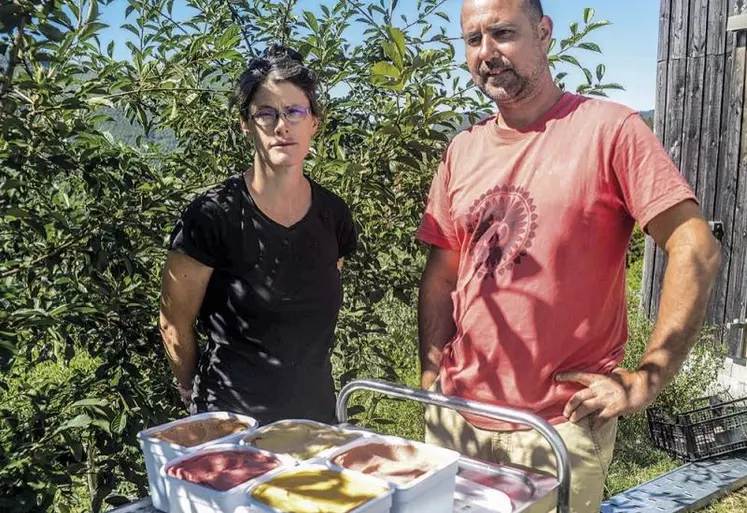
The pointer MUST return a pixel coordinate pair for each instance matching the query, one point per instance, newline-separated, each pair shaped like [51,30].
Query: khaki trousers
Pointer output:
[589,449]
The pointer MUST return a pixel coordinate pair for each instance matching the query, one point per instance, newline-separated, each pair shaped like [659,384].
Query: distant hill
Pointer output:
[648,117]
[124,131]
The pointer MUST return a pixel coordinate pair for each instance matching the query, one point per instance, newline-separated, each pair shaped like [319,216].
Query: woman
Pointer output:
[256,261]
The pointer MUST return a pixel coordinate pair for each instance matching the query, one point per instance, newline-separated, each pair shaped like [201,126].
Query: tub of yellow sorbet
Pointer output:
[423,475]
[164,443]
[318,488]
[299,439]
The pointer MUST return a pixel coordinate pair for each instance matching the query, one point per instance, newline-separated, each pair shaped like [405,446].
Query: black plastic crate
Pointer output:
[719,427]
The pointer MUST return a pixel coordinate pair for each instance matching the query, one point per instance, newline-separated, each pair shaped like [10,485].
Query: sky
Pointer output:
[629,45]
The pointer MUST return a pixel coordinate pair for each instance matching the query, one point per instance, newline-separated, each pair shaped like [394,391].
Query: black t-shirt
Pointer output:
[271,305]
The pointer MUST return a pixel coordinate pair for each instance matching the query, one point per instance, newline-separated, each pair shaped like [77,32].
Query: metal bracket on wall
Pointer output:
[737,22]
[740,324]
[717,228]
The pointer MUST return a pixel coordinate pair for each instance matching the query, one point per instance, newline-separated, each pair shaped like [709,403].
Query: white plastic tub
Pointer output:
[247,439]
[187,497]
[158,452]
[380,504]
[433,492]
[476,498]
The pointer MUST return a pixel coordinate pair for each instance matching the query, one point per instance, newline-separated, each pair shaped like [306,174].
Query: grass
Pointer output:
[736,501]
[393,416]
[626,474]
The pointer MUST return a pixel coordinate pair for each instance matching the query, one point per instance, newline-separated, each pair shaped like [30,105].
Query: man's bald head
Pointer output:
[534,10]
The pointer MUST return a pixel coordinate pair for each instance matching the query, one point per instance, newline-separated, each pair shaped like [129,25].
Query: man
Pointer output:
[522,302]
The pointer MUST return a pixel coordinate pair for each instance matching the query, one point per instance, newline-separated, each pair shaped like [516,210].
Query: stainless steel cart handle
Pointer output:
[477,408]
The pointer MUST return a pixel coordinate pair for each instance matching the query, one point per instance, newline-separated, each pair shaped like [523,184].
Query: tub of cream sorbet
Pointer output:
[300,439]
[423,475]
[319,488]
[161,444]
[215,479]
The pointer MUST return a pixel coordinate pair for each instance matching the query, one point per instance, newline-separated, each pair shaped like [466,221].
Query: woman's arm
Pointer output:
[182,290]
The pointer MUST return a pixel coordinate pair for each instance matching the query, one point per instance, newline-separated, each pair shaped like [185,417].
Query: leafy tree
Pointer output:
[578,40]
[85,214]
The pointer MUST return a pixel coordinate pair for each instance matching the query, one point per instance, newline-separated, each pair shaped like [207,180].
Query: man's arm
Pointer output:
[182,290]
[694,257]
[435,310]
[694,260]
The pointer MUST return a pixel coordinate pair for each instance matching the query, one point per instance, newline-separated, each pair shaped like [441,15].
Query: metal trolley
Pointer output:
[527,491]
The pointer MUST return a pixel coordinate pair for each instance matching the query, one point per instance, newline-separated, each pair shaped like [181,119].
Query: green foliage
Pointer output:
[593,83]
[97,159]
[396,351]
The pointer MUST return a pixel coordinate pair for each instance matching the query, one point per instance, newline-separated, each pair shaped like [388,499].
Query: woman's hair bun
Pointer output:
[278,51]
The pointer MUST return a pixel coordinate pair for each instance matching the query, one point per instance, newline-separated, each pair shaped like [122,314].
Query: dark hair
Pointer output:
[534,9]
[280,64]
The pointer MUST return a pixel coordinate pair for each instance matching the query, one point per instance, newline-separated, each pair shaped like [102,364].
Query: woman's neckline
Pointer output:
[245,187]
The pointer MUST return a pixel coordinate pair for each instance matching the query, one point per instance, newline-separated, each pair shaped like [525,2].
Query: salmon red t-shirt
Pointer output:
[542,219]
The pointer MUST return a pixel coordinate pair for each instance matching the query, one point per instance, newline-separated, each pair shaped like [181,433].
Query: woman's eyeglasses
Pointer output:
[267,116]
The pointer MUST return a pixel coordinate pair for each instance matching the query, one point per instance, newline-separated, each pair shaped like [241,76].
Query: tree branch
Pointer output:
[139,91]
[464,90]
[237,19]
[13,58]
[441,39]
[174,22]
[423,16]
[39,260]
[26,67]
[284,23]
[154,89]
[369,18]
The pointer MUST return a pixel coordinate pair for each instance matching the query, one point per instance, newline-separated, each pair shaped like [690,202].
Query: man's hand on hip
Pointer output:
[621,392]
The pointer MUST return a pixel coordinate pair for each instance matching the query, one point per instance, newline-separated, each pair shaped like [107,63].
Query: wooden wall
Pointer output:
[701,118]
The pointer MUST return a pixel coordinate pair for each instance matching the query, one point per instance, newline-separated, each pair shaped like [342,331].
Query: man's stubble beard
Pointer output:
[513,88]
[503,89]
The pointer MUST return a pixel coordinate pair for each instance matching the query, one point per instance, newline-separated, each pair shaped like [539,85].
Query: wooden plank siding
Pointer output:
[676,78]
[717,68]
[660,118]
[651,253]
[696,60]
[679,30]
[717,308]
[713,95]
[726,184]
[665,24]
[674,110]
[736,171]
[712,135]
[701,119]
